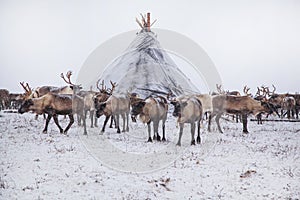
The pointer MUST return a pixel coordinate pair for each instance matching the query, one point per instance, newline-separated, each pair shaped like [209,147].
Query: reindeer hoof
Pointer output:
[193,142]
[245,131]
[84,133]
[127,129]
[118,131]
[150,139]
[44,131]
[198,140]
[158,138]
[178,144]
[123,131]
[92,126]
[163,139]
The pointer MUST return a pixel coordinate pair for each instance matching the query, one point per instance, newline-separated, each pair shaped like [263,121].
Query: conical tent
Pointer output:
[146,68]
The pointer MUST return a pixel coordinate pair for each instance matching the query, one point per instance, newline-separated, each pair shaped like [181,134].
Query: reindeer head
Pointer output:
[178,107]
[137,108]
[25,106]
[100,109]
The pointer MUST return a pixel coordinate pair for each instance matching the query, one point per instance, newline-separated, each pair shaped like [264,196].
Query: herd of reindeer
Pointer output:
[192,108]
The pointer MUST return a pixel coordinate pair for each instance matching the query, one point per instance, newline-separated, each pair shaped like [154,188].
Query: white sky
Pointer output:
[251,42]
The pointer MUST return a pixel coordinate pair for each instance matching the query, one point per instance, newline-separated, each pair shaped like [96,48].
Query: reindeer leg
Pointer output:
[105,122]
[84,124]
[47,122]
[57,124]
[127,122]
[92,118]
[164,130]
[245,121]
[79,120]
[117,118]
[209,121]
[180,134]
[123,117]
[218,122]
[71,117]
[155,127]
[154,134]
[198,137]
[193,127]
[96,120]
[36,116]
[111,121]
[149,131]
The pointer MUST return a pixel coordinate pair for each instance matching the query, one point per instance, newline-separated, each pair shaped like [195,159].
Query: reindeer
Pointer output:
[101,97]
[15,100]
[4,99]
[242,105]
[188,110]
[222,91]
[274,98]
[233,93]
[114,106]
[206,102]
[55,104]
[289,104]
[297,106]
[152,109]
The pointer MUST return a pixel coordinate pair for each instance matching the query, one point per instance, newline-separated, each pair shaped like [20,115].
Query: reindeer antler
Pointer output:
[274,89]
[68,75]
[26,87]
[219,89]
[246,90]
[113,86]
[103,88]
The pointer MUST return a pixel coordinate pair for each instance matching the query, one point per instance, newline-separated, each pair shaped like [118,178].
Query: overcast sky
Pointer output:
[250,42]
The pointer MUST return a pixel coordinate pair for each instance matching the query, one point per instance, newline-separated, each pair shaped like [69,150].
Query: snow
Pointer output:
[263,164]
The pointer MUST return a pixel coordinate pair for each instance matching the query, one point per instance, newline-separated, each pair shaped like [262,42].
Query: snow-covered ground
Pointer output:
[263,164]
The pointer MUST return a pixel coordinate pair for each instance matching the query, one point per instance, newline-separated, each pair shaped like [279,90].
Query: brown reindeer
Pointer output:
[188,110]
[242,105]
[152,109]
[55,104]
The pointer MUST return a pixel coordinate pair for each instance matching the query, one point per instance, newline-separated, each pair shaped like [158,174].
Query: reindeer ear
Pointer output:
[103,105]
[183,104]
[173,103]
